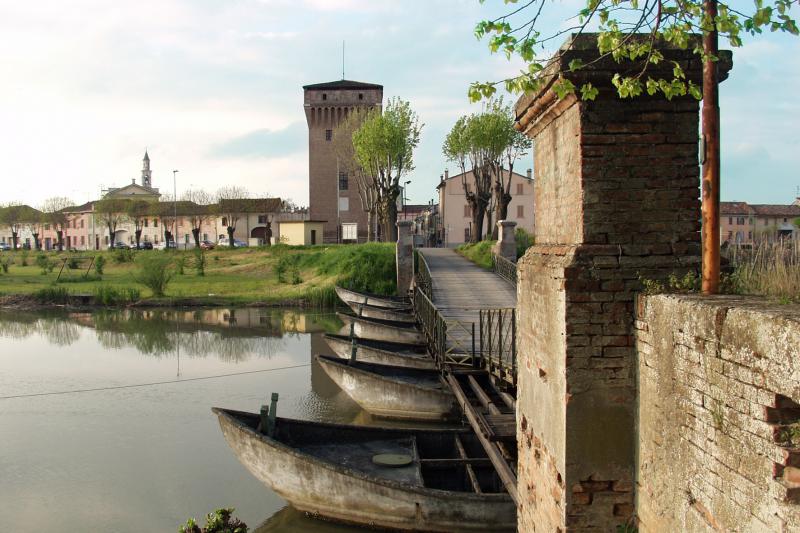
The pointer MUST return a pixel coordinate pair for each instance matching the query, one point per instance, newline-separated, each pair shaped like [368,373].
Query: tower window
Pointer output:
[343,181]
[324,96]
[328,135]
[360,96]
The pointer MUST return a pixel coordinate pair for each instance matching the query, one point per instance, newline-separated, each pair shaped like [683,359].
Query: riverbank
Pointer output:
[302,276]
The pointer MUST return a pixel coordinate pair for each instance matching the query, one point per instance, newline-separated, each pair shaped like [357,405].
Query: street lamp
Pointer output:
[405,199]
[174,209]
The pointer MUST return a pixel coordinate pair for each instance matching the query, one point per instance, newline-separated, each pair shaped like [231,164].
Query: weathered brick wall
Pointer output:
[717,377]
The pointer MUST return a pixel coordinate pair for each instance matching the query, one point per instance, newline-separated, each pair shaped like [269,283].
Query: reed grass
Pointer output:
[769,269]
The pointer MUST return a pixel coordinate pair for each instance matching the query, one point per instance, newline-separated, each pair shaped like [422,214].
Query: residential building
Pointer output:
[332,193]
[455,214]
[746,224]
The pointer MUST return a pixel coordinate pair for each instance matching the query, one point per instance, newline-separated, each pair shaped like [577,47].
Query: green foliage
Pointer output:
[524,241]
[107,295]
[220,521]
[367,267]
[689,282]
[771,269]
[620,24]
[155,271]
[72,263]
[78,279]
[200,261]
[296,279]
[52,295]
[5,263]
[45,264]
[99,264]
[180,264]
[790,435]
[322,297]
[23,258]
[125,255]
[479,253]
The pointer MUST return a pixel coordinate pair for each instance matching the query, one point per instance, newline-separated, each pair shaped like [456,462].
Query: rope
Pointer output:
[76,391]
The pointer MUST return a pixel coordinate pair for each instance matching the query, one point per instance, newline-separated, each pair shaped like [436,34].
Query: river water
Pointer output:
[146,458]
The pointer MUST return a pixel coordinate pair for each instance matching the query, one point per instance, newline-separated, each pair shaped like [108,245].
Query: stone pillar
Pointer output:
[506,240]
[616,199]
[404,257]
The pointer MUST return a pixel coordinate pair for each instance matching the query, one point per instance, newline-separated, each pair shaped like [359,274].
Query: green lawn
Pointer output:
[243,275]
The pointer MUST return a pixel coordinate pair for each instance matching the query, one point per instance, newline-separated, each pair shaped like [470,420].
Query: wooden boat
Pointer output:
[382,353]
[382,313]
[388,302]
[381,330]
[391,391]
[334,471]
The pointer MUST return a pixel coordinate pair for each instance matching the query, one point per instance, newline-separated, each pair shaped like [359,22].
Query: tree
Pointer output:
[516,146]
[198,206]
[384,148]
[137,212]
[55,214]
[232,202]
[638,31]
[111,212]
[347,163]
[164,210]
[11,217]
[34,219]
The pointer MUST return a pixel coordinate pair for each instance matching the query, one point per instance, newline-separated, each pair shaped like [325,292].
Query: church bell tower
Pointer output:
[146,174]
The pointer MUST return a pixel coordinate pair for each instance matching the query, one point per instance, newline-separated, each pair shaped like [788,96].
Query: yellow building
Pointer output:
[302,232]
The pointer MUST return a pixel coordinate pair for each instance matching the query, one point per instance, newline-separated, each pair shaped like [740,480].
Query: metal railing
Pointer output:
[423,275]
[450,341]
[497,339]
[504,268]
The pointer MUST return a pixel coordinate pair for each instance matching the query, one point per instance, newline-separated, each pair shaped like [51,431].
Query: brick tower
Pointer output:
[326,106]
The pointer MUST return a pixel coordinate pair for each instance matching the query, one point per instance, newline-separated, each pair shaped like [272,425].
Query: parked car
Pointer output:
[163,245]
[207,245]
[146,245]
[236,243]
[119,245]
[5,247]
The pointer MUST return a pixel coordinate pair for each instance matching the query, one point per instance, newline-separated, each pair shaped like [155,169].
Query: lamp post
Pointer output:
[405,199]
[174,209]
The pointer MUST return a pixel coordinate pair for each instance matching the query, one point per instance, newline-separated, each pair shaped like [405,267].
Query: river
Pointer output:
[123,458]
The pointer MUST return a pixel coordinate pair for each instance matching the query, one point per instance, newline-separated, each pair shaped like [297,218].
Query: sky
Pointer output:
[213,88]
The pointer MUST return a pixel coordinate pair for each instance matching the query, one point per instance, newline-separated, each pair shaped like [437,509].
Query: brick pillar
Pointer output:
[405,257]
[506,240]
[616,198]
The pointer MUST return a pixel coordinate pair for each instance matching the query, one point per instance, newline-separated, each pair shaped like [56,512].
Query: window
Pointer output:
[520,211]
[750,235]
[328,135]
[739,221]
[205,236]
[349,232]
[466,234]
[324,96]
[360,96]
[262,219]
[186,238]
[106,239]
[730,235]
[146,222]
[155,222]
[467,211]
[344,204]
[81,223]
[730,221]
[343,181]
[520,188]
[83,240]
[785,220]
[47,227]
[224,221]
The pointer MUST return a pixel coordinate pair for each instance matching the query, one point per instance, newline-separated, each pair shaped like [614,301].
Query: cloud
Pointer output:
[265,143]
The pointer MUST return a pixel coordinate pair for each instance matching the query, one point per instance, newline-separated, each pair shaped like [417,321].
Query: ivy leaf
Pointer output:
[588,92]
[575,64]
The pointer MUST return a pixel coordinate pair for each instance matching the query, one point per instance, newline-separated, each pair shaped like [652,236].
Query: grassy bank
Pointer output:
[479,253]
[302,275]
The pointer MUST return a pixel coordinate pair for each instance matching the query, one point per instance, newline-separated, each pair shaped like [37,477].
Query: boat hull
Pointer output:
[341,346]
[348,296]
[331,490]
[382,313]
[369,328]
[418,395]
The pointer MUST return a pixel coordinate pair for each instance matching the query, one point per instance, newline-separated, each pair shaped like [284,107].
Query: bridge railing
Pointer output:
[450,341]
[497,340]
[423,275]
[504,268]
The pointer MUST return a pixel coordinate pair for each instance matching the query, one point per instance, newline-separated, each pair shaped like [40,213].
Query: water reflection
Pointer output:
[290,520]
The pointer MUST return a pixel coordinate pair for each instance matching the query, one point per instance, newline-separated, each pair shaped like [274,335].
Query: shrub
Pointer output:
[123,256]
[5,263]
[78,279]
[282,266]
[180,263]
[105,295]
[200,261]
[155,272]
[72,263]
[45,264]
[99,263]
[524,241]
[23,258]
[479,253]
[296,279]
[52,295]
[220,521]
[367,267]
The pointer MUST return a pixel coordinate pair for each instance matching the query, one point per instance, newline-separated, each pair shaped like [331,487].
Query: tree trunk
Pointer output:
[138,234]
[231,229]
[478,212]
[36,241]
[500,209]
[111,238]
[60,235]
[391,220]
[14,240]
[196,234]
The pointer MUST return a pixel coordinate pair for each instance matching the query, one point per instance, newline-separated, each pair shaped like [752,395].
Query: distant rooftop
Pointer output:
[342,84]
